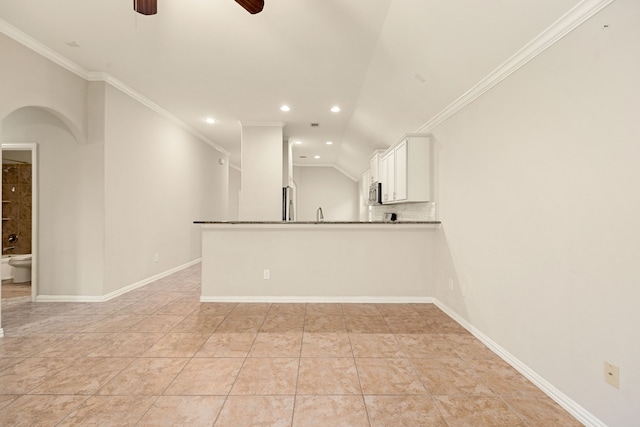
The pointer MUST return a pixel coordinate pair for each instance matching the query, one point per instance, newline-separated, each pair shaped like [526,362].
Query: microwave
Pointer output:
[375,193]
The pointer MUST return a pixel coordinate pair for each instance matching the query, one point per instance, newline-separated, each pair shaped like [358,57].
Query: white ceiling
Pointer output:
[391,65]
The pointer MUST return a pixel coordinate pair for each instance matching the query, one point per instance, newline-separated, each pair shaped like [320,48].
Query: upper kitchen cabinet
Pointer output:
[406,169]
[364,187]
[375,167]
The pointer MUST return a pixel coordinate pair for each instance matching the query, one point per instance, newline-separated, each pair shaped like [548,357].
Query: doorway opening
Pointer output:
[19,220]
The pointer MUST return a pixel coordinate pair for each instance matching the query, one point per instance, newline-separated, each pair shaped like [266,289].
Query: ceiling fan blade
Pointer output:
[146,7]
[251,6]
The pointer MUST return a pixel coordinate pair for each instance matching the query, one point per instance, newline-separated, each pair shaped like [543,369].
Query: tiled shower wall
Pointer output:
[16,208]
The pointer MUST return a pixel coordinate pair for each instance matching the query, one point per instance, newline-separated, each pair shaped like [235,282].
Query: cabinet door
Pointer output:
[364,188]
[384,175]
[374,173]
[388,186]
[401,171]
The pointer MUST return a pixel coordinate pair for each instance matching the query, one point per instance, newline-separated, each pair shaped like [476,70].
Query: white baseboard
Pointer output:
[571,406]
[116,293]
[327,299]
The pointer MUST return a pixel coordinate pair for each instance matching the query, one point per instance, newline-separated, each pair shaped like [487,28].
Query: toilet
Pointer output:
[21,268]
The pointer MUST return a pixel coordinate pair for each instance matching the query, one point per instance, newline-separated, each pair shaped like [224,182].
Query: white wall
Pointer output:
[540,209]
[119,183]
[65,253]
[335,262]
[325,187]
[159,179]
[234,193]
[28,79]
[261,194]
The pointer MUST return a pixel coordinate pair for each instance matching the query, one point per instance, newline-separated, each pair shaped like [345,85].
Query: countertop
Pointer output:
[318,222]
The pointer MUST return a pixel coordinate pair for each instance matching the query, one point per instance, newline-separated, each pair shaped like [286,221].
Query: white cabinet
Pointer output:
[364,188]
[388,176]
[375,167]
[407,170]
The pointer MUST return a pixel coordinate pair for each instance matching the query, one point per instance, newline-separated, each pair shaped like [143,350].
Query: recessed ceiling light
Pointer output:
[335,109]
[329,142]
[316,157]
[298,142]
[285,108]
[210,120]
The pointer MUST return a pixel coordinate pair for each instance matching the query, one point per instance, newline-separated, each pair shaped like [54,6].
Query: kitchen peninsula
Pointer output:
[333,261]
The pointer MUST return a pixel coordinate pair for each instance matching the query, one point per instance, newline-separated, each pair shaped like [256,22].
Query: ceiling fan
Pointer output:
[150,7]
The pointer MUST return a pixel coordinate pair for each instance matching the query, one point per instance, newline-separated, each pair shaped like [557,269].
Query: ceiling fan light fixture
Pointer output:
[251,6]
[146,7]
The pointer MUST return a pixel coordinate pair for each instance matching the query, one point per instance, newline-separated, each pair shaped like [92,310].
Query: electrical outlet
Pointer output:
[156,258]
[612,374]
[266,274]
[450,284]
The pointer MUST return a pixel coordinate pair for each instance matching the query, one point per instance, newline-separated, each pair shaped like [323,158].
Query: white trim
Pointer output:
[1,333]
[575,409]
[327,165]
[35,237]
[53,56]
[94,76]
[116,293]
[232,166]
[327,299]
[560,28]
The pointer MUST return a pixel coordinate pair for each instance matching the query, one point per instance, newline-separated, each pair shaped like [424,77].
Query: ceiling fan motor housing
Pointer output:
[251,6]
[146,7]
[150,7]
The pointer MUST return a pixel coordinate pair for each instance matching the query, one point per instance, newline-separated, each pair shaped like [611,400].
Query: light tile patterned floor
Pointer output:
[156,356]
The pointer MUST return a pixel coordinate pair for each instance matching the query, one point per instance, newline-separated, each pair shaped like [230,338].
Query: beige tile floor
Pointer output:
[157,356]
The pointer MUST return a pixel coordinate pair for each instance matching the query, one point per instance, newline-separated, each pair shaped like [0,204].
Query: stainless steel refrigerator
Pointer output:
[288,210]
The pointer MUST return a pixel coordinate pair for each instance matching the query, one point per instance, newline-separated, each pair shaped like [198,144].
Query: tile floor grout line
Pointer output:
[226,399]
[364,401]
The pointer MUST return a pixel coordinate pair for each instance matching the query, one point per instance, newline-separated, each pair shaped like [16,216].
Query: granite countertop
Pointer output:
[317,222]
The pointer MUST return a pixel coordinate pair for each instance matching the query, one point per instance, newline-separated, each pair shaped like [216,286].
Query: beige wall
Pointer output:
[325,187]
[158,180]
[119,183]
[317,262]
[63,250]
[540,207]
[261,193]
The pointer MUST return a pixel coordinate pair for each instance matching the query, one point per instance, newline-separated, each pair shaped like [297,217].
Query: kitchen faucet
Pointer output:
[319,216]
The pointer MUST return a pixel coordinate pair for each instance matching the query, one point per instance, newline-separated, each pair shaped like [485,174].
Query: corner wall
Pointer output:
[158,180]
[326,187]
[540,213]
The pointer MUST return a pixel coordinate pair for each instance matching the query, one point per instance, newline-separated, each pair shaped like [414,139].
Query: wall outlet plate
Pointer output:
[266,274]
[612,374]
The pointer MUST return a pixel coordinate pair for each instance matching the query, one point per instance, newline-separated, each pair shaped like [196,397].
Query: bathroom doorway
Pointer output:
[19,220]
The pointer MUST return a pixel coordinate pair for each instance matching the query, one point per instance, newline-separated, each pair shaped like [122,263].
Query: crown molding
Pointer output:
[94,76]
[328,165]
[53,56]
[556,31]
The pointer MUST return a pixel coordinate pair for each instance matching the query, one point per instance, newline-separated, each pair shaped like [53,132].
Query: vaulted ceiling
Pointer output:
[391,65]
